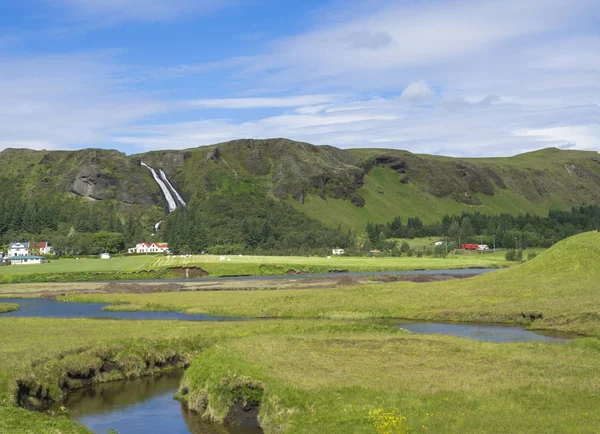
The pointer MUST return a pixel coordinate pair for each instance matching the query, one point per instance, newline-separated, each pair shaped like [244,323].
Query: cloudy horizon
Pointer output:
[456,77]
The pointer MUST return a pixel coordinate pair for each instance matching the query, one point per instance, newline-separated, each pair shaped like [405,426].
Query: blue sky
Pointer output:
[459,77]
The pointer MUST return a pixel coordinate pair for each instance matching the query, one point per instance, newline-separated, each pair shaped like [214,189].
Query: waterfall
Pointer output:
[173,191]
[166,192]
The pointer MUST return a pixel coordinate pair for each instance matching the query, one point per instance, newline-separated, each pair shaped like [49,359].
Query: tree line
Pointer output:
[248,223]
[501,230]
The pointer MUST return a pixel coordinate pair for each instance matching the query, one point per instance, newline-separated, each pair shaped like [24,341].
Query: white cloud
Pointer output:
[65,100]
[479,130]
[417,91]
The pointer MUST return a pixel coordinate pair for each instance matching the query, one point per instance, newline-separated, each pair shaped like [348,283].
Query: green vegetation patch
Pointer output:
[556,290]
[8,307]
[388,382]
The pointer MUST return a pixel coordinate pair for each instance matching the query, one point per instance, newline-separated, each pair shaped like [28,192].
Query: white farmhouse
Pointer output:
[18,249]
[150,248]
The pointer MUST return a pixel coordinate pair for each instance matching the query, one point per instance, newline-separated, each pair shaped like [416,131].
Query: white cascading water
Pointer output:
[166,192]
[173,191]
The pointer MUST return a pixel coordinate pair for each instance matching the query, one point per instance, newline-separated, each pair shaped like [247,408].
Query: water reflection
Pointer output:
[484,332]
[141,406]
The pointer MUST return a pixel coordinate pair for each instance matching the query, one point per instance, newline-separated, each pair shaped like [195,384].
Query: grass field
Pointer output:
[325,375]
[126,263]
[551,290]
[316,376]
[158,266]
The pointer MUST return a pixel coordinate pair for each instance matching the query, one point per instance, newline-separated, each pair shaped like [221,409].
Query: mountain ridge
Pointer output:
[346,187]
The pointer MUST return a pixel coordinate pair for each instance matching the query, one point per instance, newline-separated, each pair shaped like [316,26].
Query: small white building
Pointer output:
[104,255]
[150,248]
[338,252]
[26,260]
[438,243]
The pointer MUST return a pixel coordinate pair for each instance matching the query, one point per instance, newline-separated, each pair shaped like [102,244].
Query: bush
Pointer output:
[531,255]
[440,252]
[519,255]
[510,255]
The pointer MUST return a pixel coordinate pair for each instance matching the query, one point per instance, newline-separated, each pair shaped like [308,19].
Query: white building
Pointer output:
[338,252]
[150,248]
[25,249]
[26,260]
[18,249]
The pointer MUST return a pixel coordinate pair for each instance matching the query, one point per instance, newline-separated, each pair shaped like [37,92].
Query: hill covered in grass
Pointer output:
[337,187]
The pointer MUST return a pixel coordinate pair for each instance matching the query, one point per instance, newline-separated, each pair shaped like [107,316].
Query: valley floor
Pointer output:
[319,371]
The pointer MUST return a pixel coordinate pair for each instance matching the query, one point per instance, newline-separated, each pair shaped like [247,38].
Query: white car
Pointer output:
[483,247]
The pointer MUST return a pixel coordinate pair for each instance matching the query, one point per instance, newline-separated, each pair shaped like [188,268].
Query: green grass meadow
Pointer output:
[320,371]
[159,266]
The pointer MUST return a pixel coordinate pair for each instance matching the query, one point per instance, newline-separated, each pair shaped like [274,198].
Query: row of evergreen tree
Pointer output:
[248,223]
[502,230]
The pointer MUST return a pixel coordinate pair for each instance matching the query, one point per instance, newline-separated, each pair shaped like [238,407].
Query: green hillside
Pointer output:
[337,187]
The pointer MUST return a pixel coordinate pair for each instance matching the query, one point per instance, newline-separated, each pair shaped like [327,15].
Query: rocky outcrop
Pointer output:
[91,183]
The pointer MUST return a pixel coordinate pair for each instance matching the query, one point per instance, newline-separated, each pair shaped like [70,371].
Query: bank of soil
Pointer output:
[45,386]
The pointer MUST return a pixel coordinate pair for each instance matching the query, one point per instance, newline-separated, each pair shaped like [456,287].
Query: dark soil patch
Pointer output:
[243,415]
[347,281]
[188,272]
[418,278]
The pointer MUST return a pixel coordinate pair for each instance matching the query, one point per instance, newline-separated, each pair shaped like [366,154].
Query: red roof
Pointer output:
[161,245]
[42,245]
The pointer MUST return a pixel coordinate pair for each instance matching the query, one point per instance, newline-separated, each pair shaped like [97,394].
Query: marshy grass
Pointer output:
[8,307]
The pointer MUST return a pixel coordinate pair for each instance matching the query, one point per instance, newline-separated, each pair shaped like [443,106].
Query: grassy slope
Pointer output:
[560,284]
[386,197]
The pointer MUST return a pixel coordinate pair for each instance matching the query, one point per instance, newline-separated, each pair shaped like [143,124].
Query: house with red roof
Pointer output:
[26,249]
[150,248]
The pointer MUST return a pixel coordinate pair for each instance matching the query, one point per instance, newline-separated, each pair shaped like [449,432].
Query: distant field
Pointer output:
[262,265]
[156,267]
[131,263]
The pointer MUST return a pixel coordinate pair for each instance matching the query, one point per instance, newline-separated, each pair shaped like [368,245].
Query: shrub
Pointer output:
[440,252]
[519,255]
[510,255]
[531,255]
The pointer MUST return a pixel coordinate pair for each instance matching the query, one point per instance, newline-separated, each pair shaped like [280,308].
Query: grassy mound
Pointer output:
[388,382]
